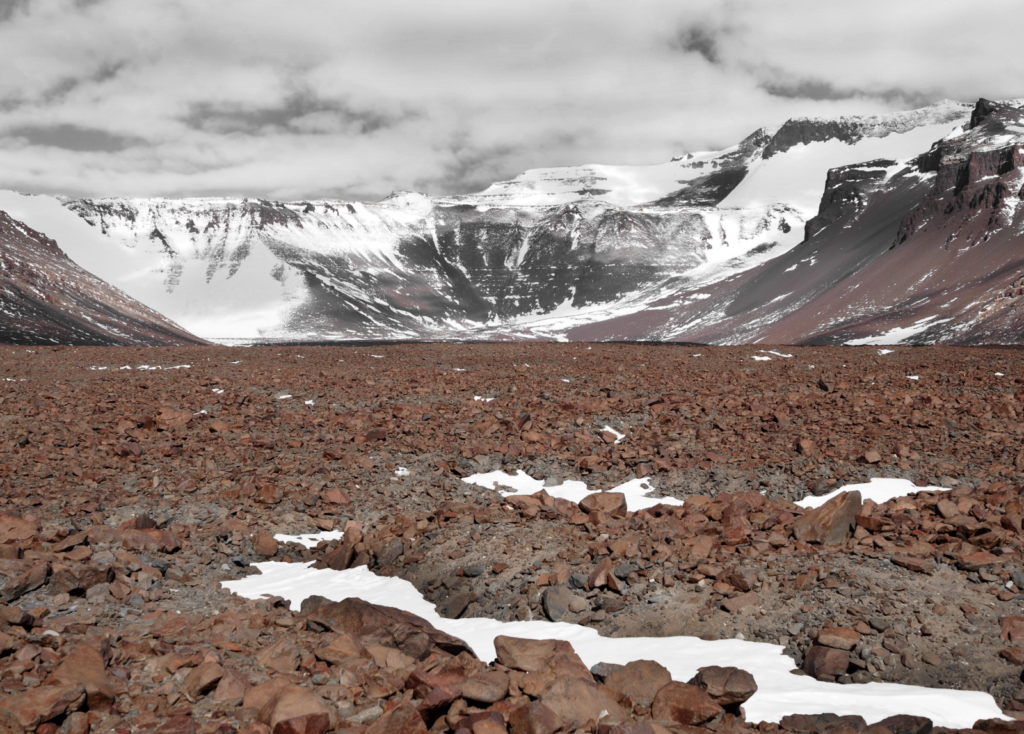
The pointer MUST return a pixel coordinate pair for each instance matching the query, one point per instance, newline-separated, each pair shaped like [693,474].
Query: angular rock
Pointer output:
[533,718]
[637,683]
[613,503]
[296,710]
[728,686]
[685,704]
[488,686]
[556,601]
[33,707]
[532,656]
[831,523]
[31,580]
[840,638]
[264,544]
[202,679]
[580,704]
[402,719]
[85,666]
[821,661]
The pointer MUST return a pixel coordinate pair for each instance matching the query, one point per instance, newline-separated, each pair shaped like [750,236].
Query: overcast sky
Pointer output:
[323,98]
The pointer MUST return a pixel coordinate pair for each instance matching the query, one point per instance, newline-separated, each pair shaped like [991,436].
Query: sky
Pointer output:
[355,100]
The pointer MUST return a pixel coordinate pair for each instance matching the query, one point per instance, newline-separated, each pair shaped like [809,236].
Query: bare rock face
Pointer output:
[831,523]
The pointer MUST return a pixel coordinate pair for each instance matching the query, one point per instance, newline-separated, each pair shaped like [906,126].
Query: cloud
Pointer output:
[284,100]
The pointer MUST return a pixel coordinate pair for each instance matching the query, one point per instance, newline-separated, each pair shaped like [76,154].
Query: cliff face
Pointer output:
[45,298]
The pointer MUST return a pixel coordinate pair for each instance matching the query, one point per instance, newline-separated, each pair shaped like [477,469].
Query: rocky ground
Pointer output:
[128,495]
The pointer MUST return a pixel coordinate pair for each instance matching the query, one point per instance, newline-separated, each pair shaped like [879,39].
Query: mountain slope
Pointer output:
[45,298]
[725,247]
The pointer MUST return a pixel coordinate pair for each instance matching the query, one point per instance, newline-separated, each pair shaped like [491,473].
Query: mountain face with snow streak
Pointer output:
[761,241]
[45,298]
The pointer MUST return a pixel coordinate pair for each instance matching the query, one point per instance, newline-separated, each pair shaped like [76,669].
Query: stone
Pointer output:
[85,666]
[533,718]
[402,719]
[264,544]
[530,656]
[282,656]
[177,725]
[489,686]
[684,704]
[840,638]
[37,705]
[742,601]
[75,580]
[31,580]
[556,601]
[77,722]
[16,528]
[821,661]
[978,560]
[296,710]
[728,686]
[872,457]
[831,523]
[1014,654]
[258,696]
[904,724]
[613,503]
[232,685]
[202,679]
[600,575]
[636,683]
[579,704]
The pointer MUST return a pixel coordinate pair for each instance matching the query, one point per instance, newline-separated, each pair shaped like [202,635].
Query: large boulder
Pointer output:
[727,686]
[85,665]
[581,704]
[532,656]
[831,523]
[296,710]
[638,682]
[684,704]
[826,661]
[614,503]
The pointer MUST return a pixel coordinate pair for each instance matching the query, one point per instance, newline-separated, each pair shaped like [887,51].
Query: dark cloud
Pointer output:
[72,137]
[698,40]
[469,168]
[819,90]
[9,7]
[303,113]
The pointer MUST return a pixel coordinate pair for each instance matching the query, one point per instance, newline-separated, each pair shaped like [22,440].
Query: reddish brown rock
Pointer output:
[264,544]
[613,503]
[831,523]
[486,687]
[581,704]
[840,638]
[728,686]
[16,528]
[85,665]
[533,718]
[296,710]
[637,683]
[232,685]
[742,601]
[402,719]
[35,706]
[202,679]
[826,661]
[31,580]
[536,655]
[685,704]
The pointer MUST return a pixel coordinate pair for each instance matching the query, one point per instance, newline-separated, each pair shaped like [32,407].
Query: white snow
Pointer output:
[885,351]
[310,540]
[520,483]
[486,400]
[779,692]
[759,358]
[402,472]
[913,377]
[877,489]
[618,436]
[898,334]
[777,354]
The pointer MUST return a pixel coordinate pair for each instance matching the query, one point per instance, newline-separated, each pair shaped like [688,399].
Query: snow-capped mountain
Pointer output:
[819,230]
[45,298]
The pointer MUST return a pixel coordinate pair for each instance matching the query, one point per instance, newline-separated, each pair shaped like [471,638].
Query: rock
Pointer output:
[613,503]
[831,523]
[601,573]
[637,683]
[16,528]
[402,719]
[727,686]
[264,544]
[977,561]
[76,722]
[903,724]
[579,703]
[533,718]
[530,656]
[85,665]
[488,686]
[742,601]
[1014,654]
[840,638]
[202,679]
[177,725]
[283,656]
[806,447]
[297,710]
[556,601]
[685,704]
[258,696]
[232,685]
[872,457]
[75,580]
[37,705]
[822,661]
[31,580]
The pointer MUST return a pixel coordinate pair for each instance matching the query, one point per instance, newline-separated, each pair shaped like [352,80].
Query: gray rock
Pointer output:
[556,602]
[603,670]
[473,571]
[579,580]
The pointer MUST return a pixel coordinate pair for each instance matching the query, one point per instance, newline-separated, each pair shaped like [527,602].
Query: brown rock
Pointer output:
[727,686]
[601,574]
[202,679]
[831,523]
[258,696]
[283,656]
[581,704]
[904,724]
[31,580]
[532,656]
[33,707]
[806,447]
[296,710]
[264,544]
[840,638]
[872,457]
[488,686]
[72,580]
[685,704]
[637,683]
[85,665]
[977,561]
[16,528]
[913,563]
[613,503]
[232,685]
[76,722]
[342,648]
[1014,654]
[821,661]
[742,601]
[402,719]
[533,718]
[177,725]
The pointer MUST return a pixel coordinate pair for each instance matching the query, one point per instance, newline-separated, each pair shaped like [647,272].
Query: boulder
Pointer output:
[614,503]
[728,686]
[826,661]
[296,710]
[402,719]
[202,679]
[532,656]
[264,544]
[637,683]
[85,666]
[841,638]
[556,601]
[580,704]
[533,718]
[831,523]
[38,705]
[684,704]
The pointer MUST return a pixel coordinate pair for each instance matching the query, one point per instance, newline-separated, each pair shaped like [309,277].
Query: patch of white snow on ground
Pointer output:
[886,351]
[913,377]
[777,354]
[898,334]
[402,472]
[486,400]
[636,490]
[618,436]
[779,692]
[878,490]
[759,358]
[310,540]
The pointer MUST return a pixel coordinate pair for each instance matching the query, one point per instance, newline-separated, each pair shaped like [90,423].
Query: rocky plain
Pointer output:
[134,482]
